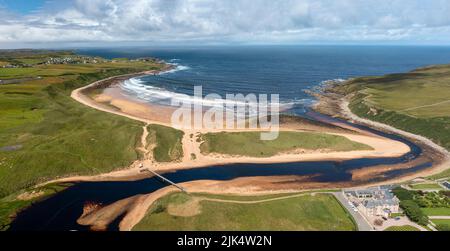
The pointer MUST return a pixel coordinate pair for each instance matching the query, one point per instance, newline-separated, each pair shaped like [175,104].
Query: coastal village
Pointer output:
[67,60]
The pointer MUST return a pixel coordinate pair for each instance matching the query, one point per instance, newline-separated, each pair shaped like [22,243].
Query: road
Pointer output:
[361,222]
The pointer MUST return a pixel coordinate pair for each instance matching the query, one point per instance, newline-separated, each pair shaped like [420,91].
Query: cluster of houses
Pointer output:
[144,59]
[74,60]
[16,66]
[375,202]
[61,60]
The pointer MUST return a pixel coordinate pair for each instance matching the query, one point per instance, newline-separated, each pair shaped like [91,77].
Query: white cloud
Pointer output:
[232,21]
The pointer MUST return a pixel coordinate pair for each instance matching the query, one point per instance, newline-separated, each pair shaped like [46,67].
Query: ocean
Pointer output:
[284,70]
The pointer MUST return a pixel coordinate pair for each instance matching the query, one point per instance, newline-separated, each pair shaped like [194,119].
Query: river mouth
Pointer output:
[61,211]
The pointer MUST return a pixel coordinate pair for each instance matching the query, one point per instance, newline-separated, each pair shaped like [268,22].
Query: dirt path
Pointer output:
[253,201]
[144,147]
[426,106]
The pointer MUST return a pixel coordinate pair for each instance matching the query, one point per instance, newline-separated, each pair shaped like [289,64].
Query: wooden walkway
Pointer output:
[166,180]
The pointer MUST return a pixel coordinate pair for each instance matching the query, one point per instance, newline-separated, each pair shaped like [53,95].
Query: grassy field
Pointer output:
[307,212]
[254,198]
[418,101]
[167,141]
[405,228]
[437,211]
[249,143]
[44,134]
[441,222]
[428,186]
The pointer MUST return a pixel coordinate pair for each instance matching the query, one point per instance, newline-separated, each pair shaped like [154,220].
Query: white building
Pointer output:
[381,208]
[375,201]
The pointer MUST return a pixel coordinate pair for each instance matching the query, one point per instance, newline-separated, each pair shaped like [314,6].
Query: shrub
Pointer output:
[412,210]
[403,194]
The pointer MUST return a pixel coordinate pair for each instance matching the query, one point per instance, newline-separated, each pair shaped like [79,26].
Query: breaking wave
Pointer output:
[138,88]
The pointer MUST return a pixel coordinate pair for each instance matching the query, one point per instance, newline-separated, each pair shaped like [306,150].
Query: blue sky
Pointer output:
[22,6]
[165,22]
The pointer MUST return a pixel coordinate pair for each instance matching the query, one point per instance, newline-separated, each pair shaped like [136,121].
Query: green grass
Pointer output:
[58,136]
[429,186]
[249,143]
[168,143]
[444,174]
[256,198]
[45,134]
[315,213]
[10,205]
[438,211]
[405,228]
[244,197]
[414,101]
[441,222]
[395,215]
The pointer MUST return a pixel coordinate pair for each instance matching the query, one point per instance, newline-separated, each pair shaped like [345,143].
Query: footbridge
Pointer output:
[164,179]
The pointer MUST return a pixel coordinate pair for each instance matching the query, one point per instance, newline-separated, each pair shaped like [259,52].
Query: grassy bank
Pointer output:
[13,203]
[417,102]
[186,212]
[250,144]
[44,134]
[167,143]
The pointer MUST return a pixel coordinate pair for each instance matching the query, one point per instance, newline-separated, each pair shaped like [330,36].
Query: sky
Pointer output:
[41,23]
